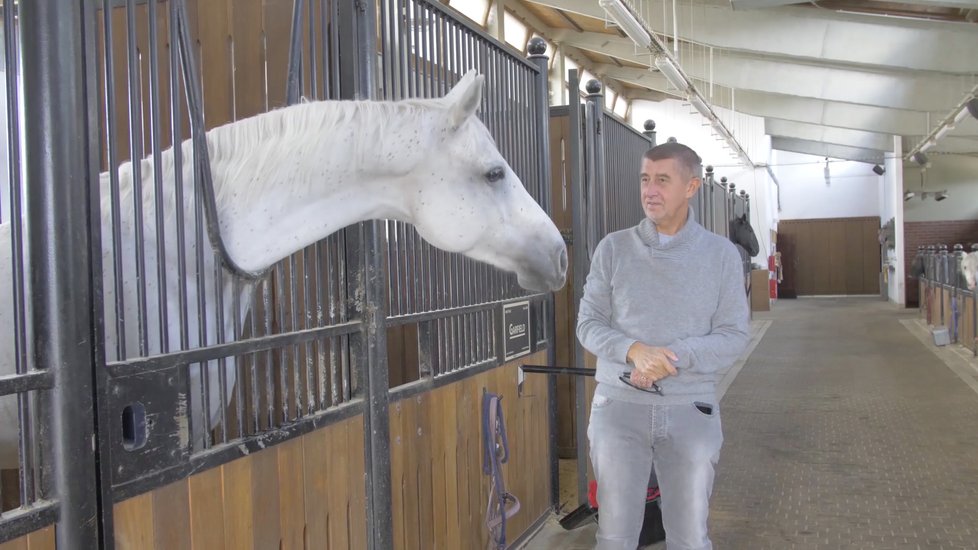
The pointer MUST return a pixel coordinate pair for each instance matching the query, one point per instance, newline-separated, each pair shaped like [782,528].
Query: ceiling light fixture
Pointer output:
[908,195]
[879,170]
[967,105]
[627,21]
[627,18]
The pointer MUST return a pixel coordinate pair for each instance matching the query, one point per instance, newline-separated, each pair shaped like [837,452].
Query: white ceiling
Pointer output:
[826,81]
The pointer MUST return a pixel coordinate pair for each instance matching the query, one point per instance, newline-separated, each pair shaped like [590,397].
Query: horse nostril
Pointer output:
[562,262]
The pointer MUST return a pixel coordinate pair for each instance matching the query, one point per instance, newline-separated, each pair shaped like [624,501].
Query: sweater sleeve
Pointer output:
[730,325]
[595,328]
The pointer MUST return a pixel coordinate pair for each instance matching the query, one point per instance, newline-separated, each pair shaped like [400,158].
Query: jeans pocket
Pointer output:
[706,409]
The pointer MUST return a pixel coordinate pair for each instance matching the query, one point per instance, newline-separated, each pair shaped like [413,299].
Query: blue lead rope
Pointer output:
[495,453]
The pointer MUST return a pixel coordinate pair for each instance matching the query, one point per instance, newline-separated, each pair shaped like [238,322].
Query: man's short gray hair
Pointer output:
[684,156]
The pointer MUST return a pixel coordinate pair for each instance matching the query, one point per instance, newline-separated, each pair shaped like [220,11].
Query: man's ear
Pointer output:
[694,185]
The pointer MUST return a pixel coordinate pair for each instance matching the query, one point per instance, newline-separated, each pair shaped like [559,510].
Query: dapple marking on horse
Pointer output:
[288,178]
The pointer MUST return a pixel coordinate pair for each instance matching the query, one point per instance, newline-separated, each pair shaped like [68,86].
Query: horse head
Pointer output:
[969,267]
[470,201]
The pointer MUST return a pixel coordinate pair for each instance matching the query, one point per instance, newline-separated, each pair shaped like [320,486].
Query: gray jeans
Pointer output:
[681,442]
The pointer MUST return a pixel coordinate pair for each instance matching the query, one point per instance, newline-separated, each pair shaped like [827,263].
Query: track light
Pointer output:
[627,21]
[941,195]
[920,158]
[972,106]
[908,195]
[879,170]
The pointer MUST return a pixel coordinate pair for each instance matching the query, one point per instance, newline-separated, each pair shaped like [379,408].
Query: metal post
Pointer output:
[956,258]
[974,314]
[538,56]
[580,272]
[941,274]
[57,99]
[650,131]
[597,187]
[366,249]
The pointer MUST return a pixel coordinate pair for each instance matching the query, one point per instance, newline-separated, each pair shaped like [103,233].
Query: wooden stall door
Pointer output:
[836,256]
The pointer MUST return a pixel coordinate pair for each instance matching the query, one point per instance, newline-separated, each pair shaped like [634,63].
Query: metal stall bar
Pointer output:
[57,97]
[580,271]
[538,56]
[358,58]
[24,378]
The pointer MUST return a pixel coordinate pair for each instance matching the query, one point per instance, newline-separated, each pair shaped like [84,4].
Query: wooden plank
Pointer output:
[133,520]
[249,58]
[316,454]
[426,473]
[409,484]
[216,72]
[398,452]
[15,544]
[42,540]
[872,261]
[291,501]
[207,516]
[836,260]
[239,517]
[339,467]
[854,250]
[356,494]
[446,442]
[277,25]
[171,515]
[267,508]
[120,82]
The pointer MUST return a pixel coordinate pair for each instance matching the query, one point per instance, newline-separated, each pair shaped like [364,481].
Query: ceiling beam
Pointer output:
[822,36]
[893,89]
[830,150]
[838,136]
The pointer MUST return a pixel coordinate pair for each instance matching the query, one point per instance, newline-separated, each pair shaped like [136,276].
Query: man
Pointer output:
[665,304]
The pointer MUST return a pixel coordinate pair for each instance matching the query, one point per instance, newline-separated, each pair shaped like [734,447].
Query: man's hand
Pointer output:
[651,363]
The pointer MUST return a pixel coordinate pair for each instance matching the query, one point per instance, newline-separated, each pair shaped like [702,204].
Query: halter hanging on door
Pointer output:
[495,453]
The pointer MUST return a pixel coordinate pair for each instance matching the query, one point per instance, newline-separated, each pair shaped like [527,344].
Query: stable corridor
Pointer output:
[844,429]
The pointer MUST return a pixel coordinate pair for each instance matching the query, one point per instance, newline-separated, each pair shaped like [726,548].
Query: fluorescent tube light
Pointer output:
[671,72]
[627,21]
[700,105]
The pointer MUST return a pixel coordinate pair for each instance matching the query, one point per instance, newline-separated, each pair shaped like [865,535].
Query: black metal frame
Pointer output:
[57,96]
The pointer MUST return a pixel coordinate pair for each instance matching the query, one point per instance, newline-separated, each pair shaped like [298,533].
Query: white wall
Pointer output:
[853,189]
[957,174]
[678,119]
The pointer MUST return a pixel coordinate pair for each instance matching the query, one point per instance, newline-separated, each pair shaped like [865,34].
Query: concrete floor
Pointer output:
[845,429]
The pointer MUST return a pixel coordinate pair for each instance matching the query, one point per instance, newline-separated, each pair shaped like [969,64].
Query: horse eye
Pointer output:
[495,174]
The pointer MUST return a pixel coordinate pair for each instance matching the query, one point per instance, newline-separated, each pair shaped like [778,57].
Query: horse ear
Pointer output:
[465,98]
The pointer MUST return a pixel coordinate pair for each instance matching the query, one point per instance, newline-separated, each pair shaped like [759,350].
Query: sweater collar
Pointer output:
[650,234]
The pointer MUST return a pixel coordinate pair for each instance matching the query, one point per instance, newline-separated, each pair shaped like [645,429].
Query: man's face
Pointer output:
[666,190]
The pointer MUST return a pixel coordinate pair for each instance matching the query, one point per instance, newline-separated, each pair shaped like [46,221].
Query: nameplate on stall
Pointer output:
[516,326]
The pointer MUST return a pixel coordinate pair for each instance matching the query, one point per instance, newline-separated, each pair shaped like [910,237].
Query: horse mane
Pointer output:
[245,154]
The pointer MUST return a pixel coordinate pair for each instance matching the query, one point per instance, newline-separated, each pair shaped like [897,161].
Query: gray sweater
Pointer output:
[687,295]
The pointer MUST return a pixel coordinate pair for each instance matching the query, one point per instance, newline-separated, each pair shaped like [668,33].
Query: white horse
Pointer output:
[288,178]
[969,268]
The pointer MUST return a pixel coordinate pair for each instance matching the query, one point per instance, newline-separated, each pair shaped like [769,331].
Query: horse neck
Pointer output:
[310,172]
